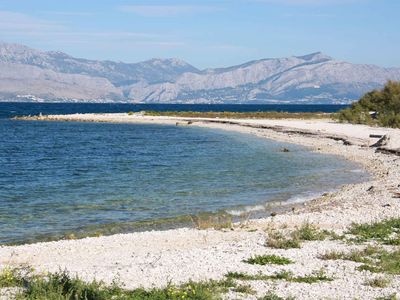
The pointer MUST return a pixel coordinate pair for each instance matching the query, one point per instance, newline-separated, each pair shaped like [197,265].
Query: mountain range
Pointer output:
[27,74]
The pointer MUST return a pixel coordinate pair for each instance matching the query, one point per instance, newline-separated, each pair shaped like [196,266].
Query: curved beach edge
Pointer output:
[154,258]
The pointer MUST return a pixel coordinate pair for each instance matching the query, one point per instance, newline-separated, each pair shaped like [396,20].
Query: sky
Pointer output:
[207,34]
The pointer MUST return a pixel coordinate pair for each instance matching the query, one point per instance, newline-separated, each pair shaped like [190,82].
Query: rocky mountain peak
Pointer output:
[58,54]
[174,64]
[17,52]
[315,57]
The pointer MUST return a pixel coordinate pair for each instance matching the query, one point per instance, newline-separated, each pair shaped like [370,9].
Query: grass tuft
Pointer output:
[268,260]
[378,282]
[333,255]
[373,259]
[314,277]
[10,277]
[215,221]
[244,289]
[309,232]
[388,297]
[387,231]
[278,241]
[245,276]
[273,296]
[306,232]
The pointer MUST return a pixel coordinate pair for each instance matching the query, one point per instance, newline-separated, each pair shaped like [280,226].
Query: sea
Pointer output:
[63,179]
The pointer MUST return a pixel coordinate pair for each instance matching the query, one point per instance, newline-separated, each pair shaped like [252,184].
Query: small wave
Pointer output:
[292,200]
[307,197]
[246,209]
[357,171]
[303,198]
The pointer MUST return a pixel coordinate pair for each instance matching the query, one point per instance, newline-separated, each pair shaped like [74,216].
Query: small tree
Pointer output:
[385,103]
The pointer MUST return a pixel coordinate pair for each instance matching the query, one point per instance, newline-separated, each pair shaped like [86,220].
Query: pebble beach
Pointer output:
[156,258]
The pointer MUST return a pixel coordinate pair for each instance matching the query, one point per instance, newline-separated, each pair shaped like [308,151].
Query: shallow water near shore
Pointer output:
[58,178]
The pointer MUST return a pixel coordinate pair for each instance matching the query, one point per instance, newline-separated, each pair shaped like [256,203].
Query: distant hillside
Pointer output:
[32,75]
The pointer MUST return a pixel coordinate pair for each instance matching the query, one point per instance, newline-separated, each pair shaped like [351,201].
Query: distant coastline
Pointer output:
[12,109]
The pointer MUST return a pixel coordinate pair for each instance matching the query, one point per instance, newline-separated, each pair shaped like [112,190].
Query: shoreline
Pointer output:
[182,254]
[354,145]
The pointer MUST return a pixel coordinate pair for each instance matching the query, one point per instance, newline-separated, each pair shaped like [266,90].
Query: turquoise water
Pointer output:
[57,178]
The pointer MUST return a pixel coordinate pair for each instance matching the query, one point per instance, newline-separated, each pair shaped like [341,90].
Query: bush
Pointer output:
[385,102]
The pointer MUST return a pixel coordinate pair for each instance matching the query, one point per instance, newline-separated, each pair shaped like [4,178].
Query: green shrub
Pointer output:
[10,277]
[385,102]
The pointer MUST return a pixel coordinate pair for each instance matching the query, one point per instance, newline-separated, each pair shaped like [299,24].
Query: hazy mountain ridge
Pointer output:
[29,74]
[153,70]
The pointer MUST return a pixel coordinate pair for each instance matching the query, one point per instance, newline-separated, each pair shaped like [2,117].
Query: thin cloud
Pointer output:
[18,22]
[22,26]
[116,38]
[166,10]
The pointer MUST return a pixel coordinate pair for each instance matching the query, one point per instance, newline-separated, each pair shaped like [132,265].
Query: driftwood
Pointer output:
[382,141]
[376,136]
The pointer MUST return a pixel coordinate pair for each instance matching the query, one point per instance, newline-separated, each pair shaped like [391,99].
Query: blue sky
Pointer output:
[207,33]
